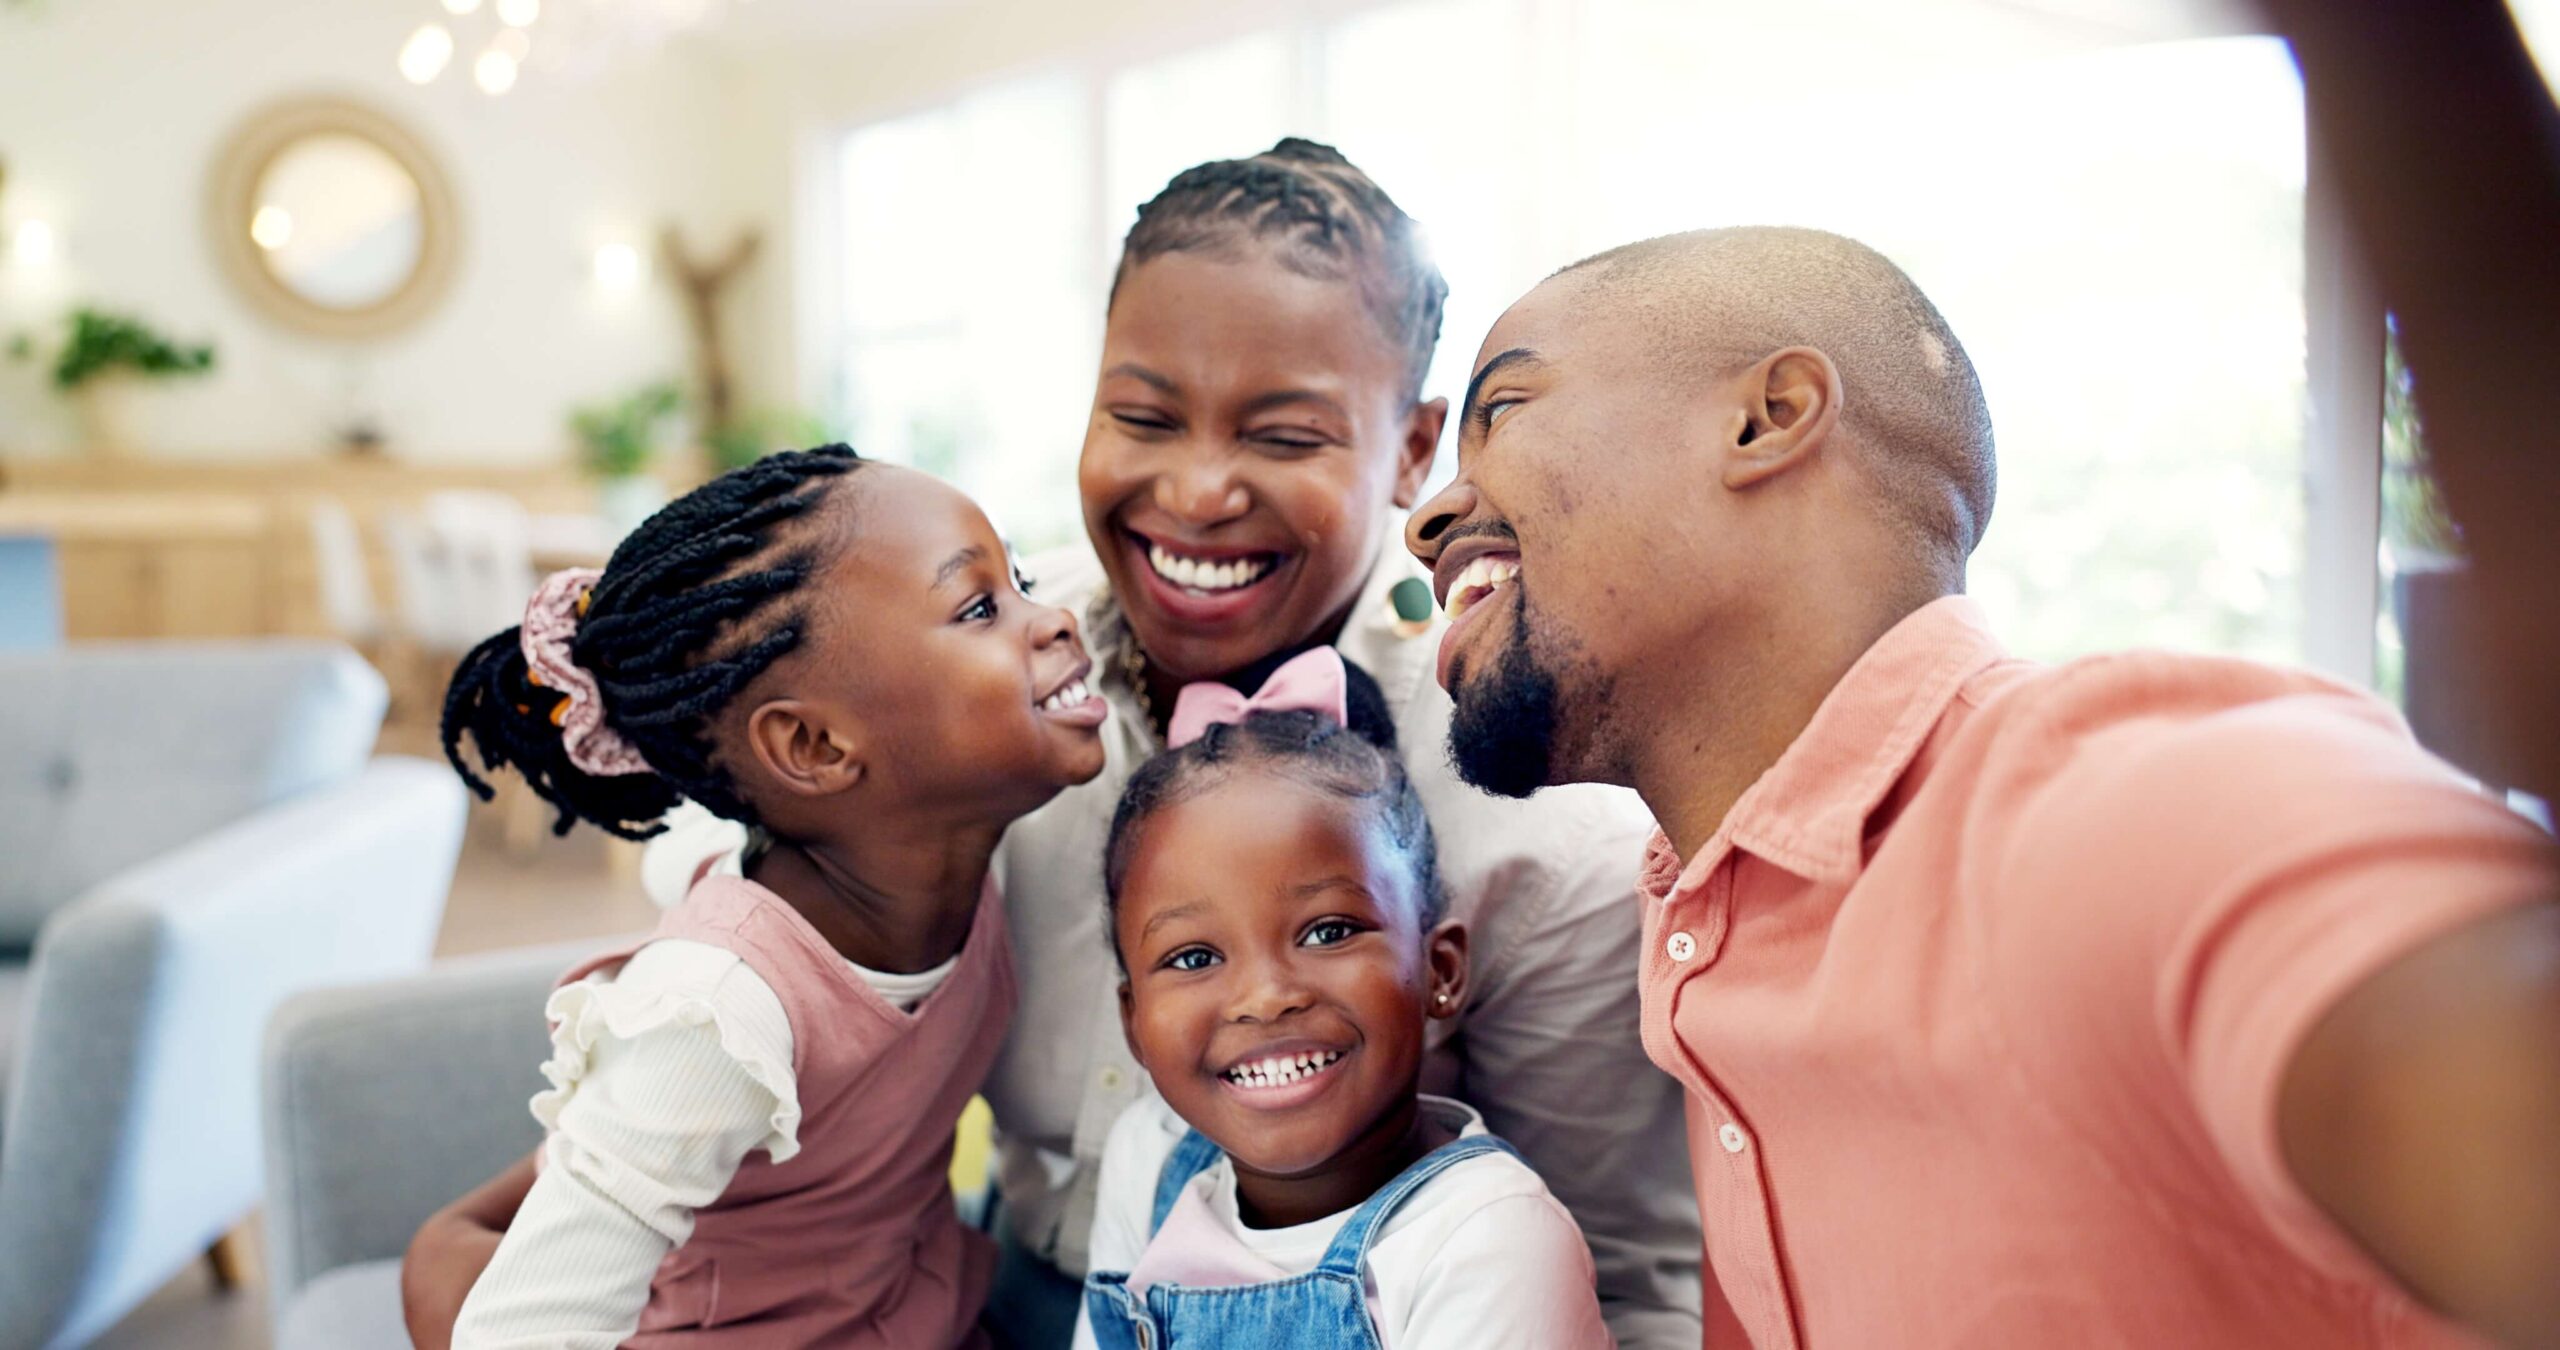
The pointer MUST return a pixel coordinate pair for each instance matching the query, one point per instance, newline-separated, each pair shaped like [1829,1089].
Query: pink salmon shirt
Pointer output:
[1983,995]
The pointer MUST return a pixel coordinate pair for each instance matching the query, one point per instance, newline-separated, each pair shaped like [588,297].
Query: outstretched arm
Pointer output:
[2423,1115]
[452,1248]
[2443,141]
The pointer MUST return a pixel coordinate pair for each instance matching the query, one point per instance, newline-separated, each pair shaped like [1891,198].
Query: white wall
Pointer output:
[113,112]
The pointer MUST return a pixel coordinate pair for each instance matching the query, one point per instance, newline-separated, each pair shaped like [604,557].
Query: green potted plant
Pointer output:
[617,440]
[760,433]
[105,360]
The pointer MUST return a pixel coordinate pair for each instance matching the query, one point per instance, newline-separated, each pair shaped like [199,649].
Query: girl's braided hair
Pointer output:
[692,606]
[1332,218]
[1357,762]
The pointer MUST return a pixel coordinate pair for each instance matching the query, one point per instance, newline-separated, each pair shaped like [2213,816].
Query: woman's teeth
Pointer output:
[1202,575]
[1481,578]
[1072,696]
[1280,1069]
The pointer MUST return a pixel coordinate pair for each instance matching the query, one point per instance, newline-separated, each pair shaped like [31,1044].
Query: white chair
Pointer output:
[346,592]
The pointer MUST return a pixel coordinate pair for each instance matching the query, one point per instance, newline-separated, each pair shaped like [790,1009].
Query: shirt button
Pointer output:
[1112,1078]
[1681,946]
[1730,1135]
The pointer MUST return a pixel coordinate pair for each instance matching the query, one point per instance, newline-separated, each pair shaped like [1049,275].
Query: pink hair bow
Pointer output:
[550,621]
[1312,681]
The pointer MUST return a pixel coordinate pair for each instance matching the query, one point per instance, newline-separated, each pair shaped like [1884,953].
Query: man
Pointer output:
[2143,1000]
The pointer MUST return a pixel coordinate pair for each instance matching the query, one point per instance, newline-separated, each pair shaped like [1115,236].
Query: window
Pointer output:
[2112,220]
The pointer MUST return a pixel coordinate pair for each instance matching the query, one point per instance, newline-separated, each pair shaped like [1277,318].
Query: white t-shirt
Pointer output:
[668,1071]
[1480,1258]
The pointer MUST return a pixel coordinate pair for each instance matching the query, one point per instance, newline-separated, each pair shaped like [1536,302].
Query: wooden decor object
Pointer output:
[699,284]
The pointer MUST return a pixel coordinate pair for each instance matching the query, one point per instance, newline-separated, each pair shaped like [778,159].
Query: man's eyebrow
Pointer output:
[957,563]
[1166,916]
[1281,398]
[1514,357]
[1160,383]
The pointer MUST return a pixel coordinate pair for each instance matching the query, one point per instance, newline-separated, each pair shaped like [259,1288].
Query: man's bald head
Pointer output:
[1912,406]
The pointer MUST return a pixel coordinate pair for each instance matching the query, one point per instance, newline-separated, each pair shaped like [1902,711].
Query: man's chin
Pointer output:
[1502,733]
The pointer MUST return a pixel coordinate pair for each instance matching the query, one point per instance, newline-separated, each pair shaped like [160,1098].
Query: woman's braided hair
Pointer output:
[689,610]
[1333,220]
[1357,762]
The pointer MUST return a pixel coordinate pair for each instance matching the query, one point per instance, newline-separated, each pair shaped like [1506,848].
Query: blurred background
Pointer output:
[344,321]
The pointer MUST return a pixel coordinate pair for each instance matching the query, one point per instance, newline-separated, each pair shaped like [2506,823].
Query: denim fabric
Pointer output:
[1325,1309]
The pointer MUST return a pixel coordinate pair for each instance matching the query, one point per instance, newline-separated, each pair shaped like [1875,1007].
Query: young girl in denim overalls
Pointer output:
[1276,910]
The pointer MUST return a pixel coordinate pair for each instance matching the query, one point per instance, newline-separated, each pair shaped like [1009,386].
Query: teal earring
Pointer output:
[1411,601]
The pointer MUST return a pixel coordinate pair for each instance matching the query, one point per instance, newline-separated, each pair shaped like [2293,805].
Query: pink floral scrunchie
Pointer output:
[550,621]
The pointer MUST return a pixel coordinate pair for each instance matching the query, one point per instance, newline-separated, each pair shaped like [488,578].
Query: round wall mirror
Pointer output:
[333,219]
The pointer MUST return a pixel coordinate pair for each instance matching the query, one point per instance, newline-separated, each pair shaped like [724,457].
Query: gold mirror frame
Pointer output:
[255,146]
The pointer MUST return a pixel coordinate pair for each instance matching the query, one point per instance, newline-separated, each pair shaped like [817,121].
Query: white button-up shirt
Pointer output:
[1547,1047]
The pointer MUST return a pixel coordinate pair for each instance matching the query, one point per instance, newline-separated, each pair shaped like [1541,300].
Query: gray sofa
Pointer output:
[192,832]
[383,1104]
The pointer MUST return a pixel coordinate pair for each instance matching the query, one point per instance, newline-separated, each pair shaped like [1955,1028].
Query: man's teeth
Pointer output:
[1073,695]
[1202,575]
[1280,1069]
[1480,578]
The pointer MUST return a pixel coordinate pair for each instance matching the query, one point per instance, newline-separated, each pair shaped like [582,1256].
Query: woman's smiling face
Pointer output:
[1250,433]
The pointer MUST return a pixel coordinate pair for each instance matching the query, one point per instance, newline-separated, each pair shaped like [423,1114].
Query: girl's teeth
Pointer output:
[1277,1072]
[1071,696]
[1197,575]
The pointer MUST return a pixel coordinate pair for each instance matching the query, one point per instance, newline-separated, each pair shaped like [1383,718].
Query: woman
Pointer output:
[1257,434]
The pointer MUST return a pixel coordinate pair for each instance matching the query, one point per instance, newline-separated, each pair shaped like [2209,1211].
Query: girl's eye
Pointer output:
[1022,584]
[1191,958]
[1286,443]
[1327,932]
[1138,420]
[1495,409]
[979,610]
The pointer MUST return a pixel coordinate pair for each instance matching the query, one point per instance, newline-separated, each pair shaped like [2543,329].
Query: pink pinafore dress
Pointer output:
[854,1241]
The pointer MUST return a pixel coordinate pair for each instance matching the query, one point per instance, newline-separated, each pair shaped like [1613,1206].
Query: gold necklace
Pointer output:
[1133,667]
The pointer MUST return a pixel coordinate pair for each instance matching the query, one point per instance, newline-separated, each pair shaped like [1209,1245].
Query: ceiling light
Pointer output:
[423,56]
[32,244]
[272,227]
[495,71]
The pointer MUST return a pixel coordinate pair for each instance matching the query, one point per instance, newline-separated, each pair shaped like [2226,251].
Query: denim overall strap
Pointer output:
[1350,1249]
[1193,1156]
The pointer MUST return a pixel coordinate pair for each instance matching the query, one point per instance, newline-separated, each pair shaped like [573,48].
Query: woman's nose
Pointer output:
[1201,491]
[1430,522]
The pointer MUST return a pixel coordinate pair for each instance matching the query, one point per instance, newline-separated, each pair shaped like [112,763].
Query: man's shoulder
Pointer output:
[2208,723]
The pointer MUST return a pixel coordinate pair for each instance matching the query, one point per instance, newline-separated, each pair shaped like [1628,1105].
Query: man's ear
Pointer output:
[1445,950]
[1790,403]
[808,750]
[1421,446]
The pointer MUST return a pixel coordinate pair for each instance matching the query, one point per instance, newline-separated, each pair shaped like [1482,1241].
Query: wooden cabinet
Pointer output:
[180,549]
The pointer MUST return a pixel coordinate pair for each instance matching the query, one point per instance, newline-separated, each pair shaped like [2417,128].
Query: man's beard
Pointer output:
[1502,735]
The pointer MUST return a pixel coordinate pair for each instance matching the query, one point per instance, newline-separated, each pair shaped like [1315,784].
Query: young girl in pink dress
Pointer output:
[751,1119]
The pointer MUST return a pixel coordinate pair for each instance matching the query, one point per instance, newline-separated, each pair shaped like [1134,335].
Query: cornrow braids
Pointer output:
[1357,762]
[692,606]
[1334,220]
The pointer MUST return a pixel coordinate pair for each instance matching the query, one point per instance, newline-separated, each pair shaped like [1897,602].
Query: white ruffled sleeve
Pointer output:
[665,1075]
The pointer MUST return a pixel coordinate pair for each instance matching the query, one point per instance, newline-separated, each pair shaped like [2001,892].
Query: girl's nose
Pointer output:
[1270,991]
[1201,491]
[1051,625]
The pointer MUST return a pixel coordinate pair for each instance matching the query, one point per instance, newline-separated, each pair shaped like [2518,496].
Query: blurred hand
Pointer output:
[451,1249]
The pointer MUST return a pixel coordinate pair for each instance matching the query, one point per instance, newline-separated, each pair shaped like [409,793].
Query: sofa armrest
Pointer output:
[132,1135]
[385,1102]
